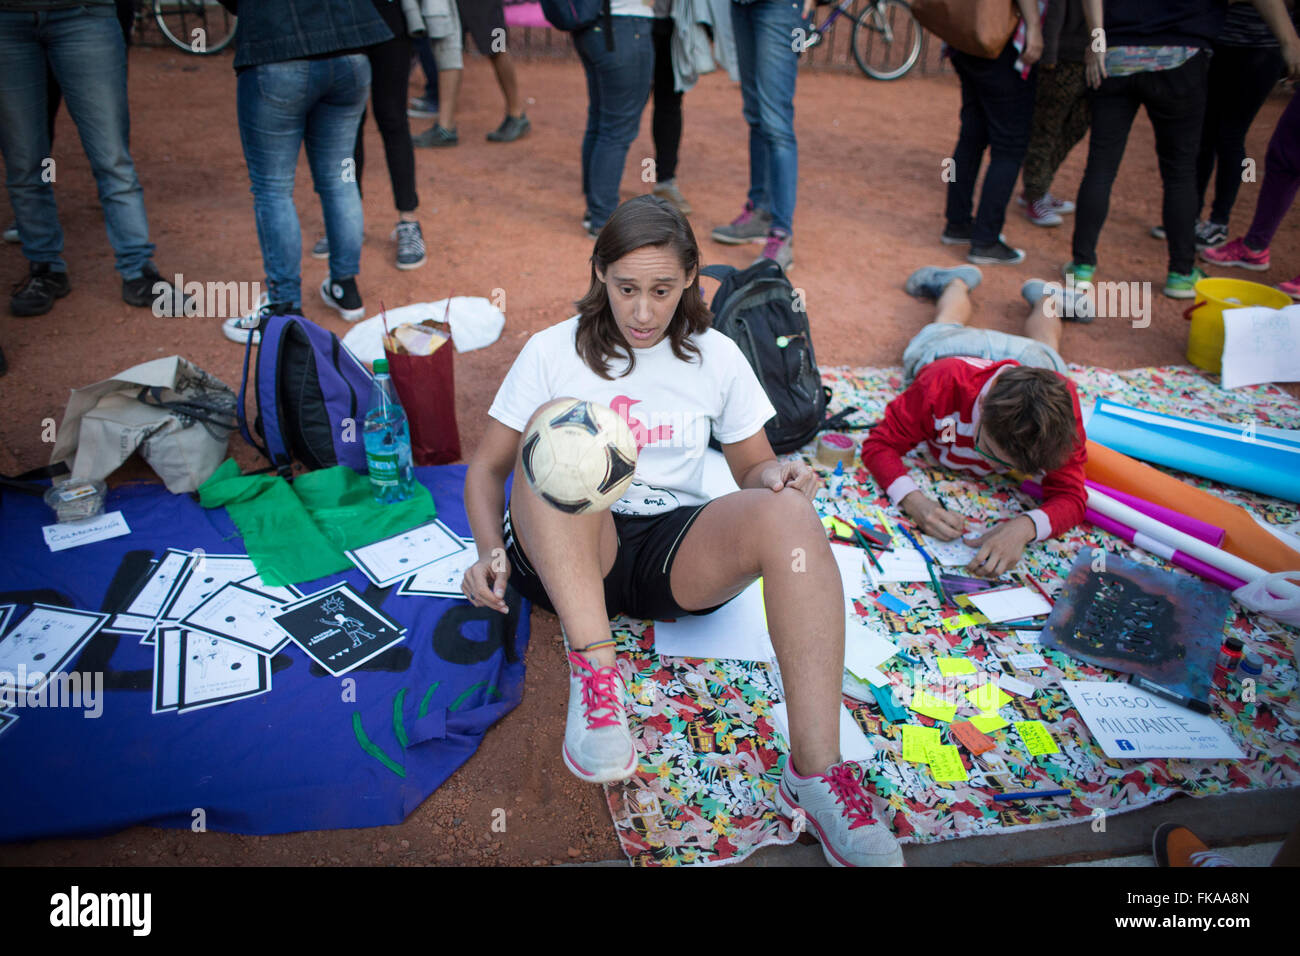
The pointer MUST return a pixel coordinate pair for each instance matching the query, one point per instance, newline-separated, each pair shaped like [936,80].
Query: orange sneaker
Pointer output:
[1175,845]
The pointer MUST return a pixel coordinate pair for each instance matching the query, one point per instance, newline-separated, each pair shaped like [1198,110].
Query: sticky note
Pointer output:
[958,621]
[917,740]
[931,705]
[945,763]
[1029,637]
[1027,661]
[1037,738]
[889,708]
[970,737]
[1018,687]
[987,723]
[988,697]
[948,666]
[890,603]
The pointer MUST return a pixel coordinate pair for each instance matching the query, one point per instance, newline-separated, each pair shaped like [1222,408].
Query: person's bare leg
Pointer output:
[509,83]
[1043,324]
[448,91]
[571,554]
[953,307]
[777,535]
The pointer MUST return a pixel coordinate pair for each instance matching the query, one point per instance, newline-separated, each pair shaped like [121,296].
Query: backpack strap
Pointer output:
[718,271]
[240,412]
[26,483]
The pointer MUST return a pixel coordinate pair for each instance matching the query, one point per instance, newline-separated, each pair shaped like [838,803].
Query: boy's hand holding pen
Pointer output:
[933,517]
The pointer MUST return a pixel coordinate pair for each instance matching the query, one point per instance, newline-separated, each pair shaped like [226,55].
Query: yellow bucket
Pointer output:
[1205,337]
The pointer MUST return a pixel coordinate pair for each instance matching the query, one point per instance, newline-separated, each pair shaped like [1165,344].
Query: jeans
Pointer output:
[768,64]
[618,85]
[1175,102]
[84,48]
[1281,177]
[997,112]
[1240,79]
[281,107]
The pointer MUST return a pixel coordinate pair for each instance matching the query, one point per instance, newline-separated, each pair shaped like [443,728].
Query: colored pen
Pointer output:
[916,544]
[1039,588]
[1199,706]
[867,548]
[1029,795]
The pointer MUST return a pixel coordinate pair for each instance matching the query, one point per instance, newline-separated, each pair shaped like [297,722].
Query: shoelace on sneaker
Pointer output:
[746,215]
[1042,208]
[1209,858]
[845,781]
[772,248]
[600,692]
[409,237]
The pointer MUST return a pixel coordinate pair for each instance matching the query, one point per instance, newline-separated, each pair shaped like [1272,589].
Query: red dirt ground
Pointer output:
[506,216]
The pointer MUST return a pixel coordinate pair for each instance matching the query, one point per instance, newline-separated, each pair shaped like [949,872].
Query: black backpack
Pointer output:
[754,307]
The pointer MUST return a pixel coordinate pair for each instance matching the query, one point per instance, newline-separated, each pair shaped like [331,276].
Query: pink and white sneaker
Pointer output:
[1291,287]
[837,809]
[597,743]
[1062,207]
[1237,253]
[1041,213]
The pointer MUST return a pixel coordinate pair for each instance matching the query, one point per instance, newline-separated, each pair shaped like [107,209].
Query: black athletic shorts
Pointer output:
[638,583]
[479,18]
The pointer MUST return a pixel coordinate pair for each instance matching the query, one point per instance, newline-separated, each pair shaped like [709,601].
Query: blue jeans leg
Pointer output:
[768,67]
[25,138]
[622,81]
[331,135]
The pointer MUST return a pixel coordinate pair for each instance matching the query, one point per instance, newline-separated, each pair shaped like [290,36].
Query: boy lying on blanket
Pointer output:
[984,402]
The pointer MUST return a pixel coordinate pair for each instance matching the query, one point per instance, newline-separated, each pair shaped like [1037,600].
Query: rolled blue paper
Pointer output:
[1257,460]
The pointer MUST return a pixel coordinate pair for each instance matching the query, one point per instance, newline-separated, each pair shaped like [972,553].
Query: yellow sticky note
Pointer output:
[916,740]
[948,666]
[1037,738]
[958,621]
[987,723]
[945,763]
[988,697]
[923,702]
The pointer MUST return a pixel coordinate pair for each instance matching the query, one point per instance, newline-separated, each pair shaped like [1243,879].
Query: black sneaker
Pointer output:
[511,128]
[35,295]
[151,290]
[998,253]
[1210,235]
[955,235]
[410,245]
[342,294]
[436,135]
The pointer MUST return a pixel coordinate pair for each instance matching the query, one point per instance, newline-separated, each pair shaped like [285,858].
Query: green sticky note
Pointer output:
[958,621]
[948,666]
[923,702]
[945,763]
[987,723]
[988,697]
[1038,740]
[917,740]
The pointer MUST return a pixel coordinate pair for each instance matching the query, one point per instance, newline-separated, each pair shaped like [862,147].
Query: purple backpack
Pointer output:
[311,396]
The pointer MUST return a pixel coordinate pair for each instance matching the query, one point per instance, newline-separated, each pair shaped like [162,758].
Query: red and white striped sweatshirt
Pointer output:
[944,403]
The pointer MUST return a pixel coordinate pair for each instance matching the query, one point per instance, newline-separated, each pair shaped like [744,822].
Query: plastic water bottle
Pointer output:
[388,442]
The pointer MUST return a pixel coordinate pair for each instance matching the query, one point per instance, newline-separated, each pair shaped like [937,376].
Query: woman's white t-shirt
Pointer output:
[671,406]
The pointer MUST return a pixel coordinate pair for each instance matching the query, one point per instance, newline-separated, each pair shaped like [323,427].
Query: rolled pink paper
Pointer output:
[1206,532]
[1146,543]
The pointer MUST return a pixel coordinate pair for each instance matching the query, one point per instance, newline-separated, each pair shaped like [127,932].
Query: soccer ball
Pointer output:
[579,456]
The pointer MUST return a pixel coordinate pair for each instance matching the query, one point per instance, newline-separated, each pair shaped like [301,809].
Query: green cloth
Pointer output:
[297,531]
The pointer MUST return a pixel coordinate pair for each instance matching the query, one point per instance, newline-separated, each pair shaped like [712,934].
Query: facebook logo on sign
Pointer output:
[1123,744]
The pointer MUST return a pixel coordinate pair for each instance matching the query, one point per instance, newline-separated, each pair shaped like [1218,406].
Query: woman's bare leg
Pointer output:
[777,535]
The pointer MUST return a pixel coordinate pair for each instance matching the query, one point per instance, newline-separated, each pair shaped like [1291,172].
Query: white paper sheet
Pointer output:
[393,559]
[1026,662]
[1132,724]
[736,631]
[853,742]
[865,649]
[215,671]
[72,534]
[149,602]
[901,565]
[1013,686]
[42,643]
[244,616]
[1261,345]
[166,669]
[284,593]
[1010,604]
[204,575]
[949,554]
[443,577]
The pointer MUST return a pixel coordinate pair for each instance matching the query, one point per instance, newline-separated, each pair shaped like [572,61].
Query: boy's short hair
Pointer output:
[1029,412]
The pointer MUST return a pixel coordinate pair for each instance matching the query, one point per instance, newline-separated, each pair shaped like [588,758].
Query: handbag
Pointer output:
[426,387]
[978,27]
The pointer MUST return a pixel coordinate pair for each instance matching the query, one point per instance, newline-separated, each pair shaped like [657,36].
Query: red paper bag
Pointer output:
[426,387]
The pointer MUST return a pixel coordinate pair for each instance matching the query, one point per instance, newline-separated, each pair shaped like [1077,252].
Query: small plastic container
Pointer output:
[77,500]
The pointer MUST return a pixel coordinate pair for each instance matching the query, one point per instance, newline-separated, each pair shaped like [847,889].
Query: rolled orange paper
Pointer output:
[1244,537]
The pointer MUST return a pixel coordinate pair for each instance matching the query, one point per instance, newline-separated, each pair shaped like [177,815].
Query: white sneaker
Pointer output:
[837,810]
[597,743]
[238,328]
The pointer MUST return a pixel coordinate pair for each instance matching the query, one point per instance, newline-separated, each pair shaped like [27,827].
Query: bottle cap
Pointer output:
[381,366]
[1232,643]
[1252,664]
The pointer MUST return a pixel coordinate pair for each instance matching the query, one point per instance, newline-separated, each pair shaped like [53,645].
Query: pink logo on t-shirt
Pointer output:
[622,404]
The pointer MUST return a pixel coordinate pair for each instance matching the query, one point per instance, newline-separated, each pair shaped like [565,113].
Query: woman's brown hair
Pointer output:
[643,221]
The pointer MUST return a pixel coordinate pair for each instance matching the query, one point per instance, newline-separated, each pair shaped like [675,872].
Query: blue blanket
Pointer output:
[315,753]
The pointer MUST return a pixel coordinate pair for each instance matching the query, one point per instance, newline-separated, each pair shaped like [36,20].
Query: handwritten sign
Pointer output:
[1038,740]
[1130,723]
[1261,345]
[945,763]
[917,740]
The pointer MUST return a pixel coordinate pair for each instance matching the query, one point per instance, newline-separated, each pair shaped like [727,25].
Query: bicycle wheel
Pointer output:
[201,27]
[886,40]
